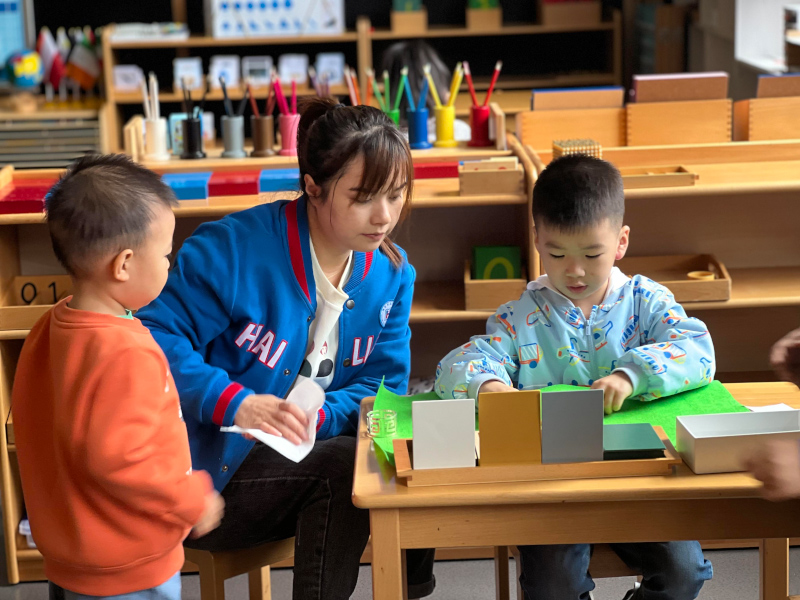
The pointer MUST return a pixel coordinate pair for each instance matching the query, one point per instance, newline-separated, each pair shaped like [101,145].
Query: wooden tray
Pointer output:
[671,271]
[403,451]
[488,294]
[634,178]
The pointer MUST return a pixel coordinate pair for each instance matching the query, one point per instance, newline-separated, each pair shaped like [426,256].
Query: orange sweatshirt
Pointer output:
[103,453]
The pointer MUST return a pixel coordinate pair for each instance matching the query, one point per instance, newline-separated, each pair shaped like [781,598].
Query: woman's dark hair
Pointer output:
[331,135]
[415,54]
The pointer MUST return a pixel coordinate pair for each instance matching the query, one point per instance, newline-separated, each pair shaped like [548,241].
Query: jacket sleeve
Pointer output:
[390,361]
[494,356]
[194,308]
[126,455]
[678,354]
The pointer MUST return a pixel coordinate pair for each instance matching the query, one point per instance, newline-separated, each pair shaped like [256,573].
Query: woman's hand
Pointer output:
[272,415]
[777,465]
[785,357]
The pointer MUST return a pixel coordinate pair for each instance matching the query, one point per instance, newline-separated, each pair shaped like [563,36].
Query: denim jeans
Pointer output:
[670,570]
[272,498]
[169,590]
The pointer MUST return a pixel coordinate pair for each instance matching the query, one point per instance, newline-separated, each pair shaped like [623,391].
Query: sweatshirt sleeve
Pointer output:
[678,354]
[127,456]
[194,308]
[494,356]
[390,361]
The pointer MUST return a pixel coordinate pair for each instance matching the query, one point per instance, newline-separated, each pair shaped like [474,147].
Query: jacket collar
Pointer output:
[297,242]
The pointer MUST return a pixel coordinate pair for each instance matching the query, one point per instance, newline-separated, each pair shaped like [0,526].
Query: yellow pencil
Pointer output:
[458,75]
[432,85]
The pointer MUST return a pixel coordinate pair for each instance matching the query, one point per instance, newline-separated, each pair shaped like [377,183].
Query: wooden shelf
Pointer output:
[751,288]
[202,41]
[449,31]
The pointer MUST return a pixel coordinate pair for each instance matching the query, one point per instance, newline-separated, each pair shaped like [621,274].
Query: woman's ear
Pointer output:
[312,189]
[120,266]
[622,244]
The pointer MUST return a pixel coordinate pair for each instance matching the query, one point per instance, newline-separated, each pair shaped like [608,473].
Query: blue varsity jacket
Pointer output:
[233,321]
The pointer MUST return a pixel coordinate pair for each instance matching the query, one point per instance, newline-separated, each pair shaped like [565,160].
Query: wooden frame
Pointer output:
[650,177]
[692,122]
[403,449]
[488,294]
[760,119]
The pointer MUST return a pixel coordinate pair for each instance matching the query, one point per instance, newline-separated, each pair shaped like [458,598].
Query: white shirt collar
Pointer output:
[616,280]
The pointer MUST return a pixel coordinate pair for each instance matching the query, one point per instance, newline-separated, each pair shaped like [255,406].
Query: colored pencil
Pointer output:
[227,101]
[350,89]
[269,103]
[355,85]
[423,94]
[455,84]
[253,104]
[146,102]
[312,76]
[401,87]
[370,77]
[407,87]
[498,66]
[468,73]
[432,85]
[294,96]
[378,94]
[243,103]
[387,98]
[280,98]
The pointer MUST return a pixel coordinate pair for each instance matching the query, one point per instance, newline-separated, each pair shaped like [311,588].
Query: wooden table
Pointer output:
[683,506]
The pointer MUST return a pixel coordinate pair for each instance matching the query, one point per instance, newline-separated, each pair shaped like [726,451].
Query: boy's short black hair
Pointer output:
[102,205]
[578,191]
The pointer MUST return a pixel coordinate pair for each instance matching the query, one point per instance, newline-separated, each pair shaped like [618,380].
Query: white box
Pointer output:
[719,443]
[273,18]
[444,433]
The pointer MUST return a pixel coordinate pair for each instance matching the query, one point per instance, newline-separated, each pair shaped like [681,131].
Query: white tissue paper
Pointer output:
[310,397]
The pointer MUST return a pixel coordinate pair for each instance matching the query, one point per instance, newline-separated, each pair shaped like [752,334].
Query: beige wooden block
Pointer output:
[484,19]
[409,22]
[559,14]
[694,122]
[539,129]
[500,181]
[510,428]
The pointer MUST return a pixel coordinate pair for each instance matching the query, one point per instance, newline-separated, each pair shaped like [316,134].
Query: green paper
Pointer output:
[496,262]
[406,5]
[484,4]
[708,400]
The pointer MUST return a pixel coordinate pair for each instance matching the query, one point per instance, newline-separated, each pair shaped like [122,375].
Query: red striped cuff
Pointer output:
[224,400]
[320,418]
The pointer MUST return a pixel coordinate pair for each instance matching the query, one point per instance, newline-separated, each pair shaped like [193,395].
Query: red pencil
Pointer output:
[355,85]
[497,68]
[282,106]
[253,104]
[294,96]
[468,75]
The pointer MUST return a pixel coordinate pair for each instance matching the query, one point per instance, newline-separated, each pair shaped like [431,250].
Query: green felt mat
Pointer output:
[709,400]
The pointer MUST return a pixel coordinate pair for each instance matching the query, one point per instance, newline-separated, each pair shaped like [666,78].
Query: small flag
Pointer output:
[63,43]
[54,68]
[83,66]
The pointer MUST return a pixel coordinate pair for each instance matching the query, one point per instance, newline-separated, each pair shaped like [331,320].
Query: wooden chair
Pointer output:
[604,563]
[216,567]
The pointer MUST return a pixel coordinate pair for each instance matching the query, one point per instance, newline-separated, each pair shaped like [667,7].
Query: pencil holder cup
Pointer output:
[394,115]
[479,122]
[233,136]
[155,139]
[382,423]
[445,124]
[418,129]
[192,139]
[263,129]
[288,128]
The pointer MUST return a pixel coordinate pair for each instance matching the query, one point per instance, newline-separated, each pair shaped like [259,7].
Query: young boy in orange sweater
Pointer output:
[103,452]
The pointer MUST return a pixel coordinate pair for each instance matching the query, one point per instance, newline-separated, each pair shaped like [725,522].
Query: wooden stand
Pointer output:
[403,450]
[766,119]
[484,19]
[693,122]
[580,12]
[411,22]
[488,294]
[539,129]
[673,273]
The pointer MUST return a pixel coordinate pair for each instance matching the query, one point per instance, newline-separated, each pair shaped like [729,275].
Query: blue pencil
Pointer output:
[423,95]
[409,97]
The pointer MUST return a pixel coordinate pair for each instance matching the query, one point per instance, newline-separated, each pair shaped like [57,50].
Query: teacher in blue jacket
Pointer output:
[305,288]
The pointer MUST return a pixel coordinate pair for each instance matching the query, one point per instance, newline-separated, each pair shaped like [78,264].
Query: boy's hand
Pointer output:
[785,357]
[273,415]
[495,386]
[617,387]
[777,465]
[211,517]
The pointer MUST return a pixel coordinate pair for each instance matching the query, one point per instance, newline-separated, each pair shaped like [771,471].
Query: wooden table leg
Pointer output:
[501,587]
[774,573]
[388,560]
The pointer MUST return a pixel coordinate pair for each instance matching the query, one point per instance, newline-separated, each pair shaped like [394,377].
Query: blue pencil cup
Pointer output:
[418,129]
